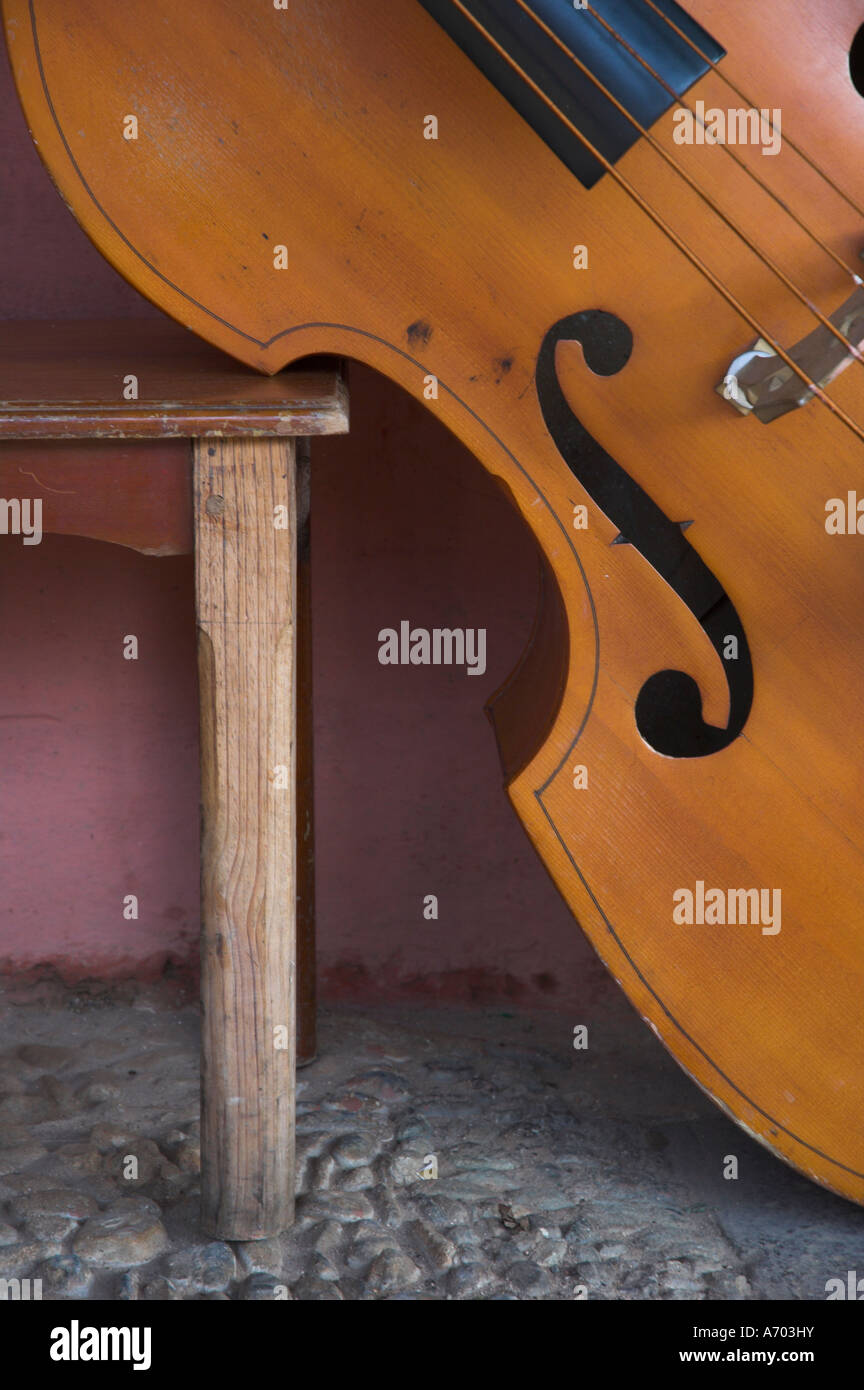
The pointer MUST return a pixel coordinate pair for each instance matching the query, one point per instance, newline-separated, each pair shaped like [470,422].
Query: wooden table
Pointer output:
[135,393]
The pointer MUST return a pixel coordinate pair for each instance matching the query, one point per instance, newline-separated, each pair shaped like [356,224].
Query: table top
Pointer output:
[78,378]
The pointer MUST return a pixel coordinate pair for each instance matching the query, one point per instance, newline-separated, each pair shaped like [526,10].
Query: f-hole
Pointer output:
[668,708]
[856,62]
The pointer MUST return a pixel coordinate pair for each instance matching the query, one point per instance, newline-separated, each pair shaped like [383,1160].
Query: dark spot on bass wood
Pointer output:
[418,332]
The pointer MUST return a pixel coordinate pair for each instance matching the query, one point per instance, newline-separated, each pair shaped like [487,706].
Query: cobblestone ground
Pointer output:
[560,1173]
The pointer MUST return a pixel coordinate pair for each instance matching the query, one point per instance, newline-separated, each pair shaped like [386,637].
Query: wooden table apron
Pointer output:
[244,440]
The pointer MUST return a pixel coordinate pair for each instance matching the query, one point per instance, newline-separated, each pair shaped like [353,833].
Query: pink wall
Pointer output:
[98,756]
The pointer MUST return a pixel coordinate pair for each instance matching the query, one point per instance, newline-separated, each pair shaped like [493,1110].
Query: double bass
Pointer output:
[614,247]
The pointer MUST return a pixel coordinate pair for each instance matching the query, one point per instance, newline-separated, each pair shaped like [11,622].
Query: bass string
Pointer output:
[748,170]
[660,222]
[747,102]
[697,188]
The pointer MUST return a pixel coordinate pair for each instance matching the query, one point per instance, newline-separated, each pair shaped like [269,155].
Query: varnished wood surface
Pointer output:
[453,258]
[67,378]
[246,611]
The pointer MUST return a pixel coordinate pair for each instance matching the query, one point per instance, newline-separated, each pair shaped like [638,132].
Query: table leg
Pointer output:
[306,977]
[245,570]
